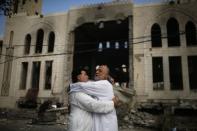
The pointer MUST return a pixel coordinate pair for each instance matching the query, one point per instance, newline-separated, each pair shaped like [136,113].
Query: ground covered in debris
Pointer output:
[27,120]
[129,119]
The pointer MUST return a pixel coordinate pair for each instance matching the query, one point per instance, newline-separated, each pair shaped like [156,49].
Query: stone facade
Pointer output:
[144,18]
[140,20]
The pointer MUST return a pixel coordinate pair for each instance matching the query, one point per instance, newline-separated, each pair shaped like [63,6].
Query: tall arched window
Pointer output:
[11,38]
[15,10]
[51,42]
[190,34]
[39,41]
[156,35]
[27,44]
[173,32]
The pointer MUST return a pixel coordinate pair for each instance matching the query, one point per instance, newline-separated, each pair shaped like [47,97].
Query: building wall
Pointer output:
[31,7]
[144,17]
[141,19]
[22,25]
[94,14]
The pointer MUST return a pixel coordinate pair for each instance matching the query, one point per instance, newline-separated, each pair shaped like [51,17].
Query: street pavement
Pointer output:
[25,125]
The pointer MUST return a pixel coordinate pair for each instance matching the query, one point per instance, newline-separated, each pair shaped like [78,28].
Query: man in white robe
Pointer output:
[103,91]
[82,107]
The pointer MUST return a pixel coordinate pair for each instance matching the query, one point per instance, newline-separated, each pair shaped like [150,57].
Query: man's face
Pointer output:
[83,77]
[101,72]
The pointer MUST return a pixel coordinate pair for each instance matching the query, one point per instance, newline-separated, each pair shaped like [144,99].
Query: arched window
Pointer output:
[107,44]
[125,44]
[100,47]
[156,36]
[190,34]
[51,42]
[27,44]
[116,45]
[15,10]
[173,32]
[39,41]
[11,38]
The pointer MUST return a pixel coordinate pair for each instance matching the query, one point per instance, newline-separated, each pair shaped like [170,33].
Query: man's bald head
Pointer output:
[102,72]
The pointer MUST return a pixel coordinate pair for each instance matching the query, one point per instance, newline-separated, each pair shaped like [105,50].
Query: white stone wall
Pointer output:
[23,25]
[144,17]
[63,24]
[31,7]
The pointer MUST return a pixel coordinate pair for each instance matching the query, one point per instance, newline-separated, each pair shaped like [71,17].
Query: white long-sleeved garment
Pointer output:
[82,105]
[103,90]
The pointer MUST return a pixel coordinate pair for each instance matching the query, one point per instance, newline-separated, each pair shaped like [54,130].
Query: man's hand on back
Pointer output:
[116,101]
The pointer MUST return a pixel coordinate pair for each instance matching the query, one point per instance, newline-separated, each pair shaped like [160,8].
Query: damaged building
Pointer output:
[150,49]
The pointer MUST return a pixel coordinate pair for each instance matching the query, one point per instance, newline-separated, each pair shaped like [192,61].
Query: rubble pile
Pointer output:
[133,119]
[16,114]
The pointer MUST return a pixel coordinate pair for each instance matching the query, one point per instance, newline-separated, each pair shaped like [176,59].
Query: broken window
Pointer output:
[192,66]
[27,44]
[39,41]
[48,74]
[51,42]
[35,74]
[156,36]
[191,34]
[24,75]
[173,32]
[103,43]
[157,67]
[175,68]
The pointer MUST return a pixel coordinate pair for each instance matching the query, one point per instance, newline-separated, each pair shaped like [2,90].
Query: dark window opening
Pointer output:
[24,75]
[185,112]
[23,2]
[1,48]
[153,111]
[156,36]
[48,74]
[11,38]
[27,44]
[39,41]
[107,45]
[175,68]
[51,42]
[16,6]
[35,75]
[36,1]
[173,32]
[157,67]
[192,67]
[191,34]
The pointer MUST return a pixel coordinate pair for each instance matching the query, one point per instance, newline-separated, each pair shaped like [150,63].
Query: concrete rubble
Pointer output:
[135,119]
[129,117]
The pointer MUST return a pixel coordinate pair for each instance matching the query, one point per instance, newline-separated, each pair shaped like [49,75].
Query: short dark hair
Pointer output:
[77,72]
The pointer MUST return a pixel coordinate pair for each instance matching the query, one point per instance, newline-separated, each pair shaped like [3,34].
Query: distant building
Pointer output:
[149,48]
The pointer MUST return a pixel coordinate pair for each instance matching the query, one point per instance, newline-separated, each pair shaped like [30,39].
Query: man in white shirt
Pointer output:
[83,105]
[103,91]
